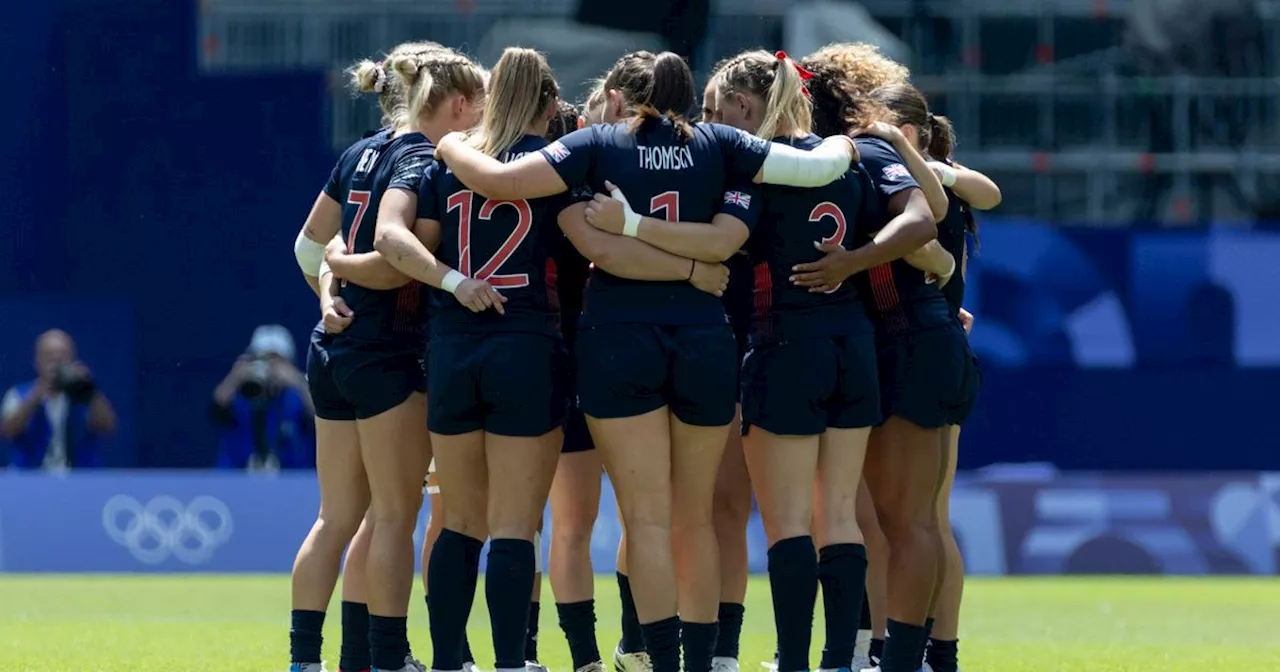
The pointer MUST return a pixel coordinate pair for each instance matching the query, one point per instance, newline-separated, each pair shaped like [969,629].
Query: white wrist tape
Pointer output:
[451,281]
[309,254]
[793,167]
[630,218]
[631,223]
[946,174]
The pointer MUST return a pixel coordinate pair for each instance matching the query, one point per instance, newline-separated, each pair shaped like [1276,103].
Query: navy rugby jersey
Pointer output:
[570,270]
[509,244]
[902,300]
[364,172]
[792,220]
[666,177]
[953,234]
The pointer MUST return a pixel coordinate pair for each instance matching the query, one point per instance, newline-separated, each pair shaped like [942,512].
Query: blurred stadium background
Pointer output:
[160,154]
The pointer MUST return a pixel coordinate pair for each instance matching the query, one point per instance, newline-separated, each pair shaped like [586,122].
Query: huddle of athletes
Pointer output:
[705,310]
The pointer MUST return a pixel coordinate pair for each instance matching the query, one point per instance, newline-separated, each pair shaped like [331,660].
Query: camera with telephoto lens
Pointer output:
[75,382]
[256,382]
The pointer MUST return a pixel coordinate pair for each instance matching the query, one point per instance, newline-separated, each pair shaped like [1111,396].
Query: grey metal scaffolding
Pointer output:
[1043,93]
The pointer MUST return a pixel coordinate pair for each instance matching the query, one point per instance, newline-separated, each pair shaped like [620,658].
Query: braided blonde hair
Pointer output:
[368,76]
[431,74]
[775,79]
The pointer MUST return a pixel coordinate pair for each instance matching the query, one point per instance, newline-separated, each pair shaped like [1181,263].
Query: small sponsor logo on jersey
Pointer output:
[737,198]
[894,172]
[557,151]
[751,142]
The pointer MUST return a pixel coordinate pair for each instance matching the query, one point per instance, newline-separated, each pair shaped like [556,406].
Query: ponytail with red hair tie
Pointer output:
[805,75]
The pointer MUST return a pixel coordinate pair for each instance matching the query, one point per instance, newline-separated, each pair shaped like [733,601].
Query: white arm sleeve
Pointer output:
[793,167]
[310,254]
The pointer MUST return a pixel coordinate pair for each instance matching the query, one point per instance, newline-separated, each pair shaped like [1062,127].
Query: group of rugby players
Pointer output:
[705,310]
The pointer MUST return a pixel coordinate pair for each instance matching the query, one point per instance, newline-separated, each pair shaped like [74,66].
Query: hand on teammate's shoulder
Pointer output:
[880,129]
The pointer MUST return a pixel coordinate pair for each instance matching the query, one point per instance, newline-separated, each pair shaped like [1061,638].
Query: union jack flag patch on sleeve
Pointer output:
[894,172]
[737,198]
[557,151]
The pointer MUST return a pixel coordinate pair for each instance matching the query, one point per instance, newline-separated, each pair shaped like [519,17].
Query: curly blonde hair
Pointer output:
[863,67]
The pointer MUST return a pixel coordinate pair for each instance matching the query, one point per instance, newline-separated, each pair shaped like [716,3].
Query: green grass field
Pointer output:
[240,623]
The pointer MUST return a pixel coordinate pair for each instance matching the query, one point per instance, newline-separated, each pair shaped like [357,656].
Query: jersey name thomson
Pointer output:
[665,158]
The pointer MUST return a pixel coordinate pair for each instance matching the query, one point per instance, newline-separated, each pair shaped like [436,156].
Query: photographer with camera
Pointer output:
[263,408]
[56,420]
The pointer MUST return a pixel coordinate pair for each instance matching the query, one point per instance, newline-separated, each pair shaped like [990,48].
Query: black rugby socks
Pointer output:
[466,645]
[508,581]
[903,647]
[842,571]
[699,643]
[632,637]
[388,641]
[662,641]
[793,580]
[451,587]
[354,656]
[305,636]
[730,618]
[942,655]
[578,620]
[876,651]
[531,634]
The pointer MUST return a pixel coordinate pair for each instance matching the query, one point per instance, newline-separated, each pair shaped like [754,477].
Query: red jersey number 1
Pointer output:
[669,203]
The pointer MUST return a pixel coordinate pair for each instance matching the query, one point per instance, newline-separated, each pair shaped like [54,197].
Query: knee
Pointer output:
[646,515]
[397,513]
[691,521]
[731,506]
[901,527]
[573,534]
[511,527]
[336,528]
